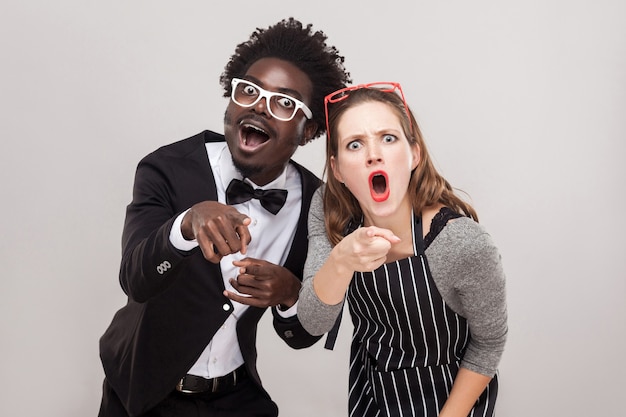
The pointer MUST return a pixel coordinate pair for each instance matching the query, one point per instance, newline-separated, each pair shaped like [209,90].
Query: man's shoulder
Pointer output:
[184,147]
[307,175]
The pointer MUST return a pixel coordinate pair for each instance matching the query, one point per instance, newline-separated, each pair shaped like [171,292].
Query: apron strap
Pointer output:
[331,338]
[418,238]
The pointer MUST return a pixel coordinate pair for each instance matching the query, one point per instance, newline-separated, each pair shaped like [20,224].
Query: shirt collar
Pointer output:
[229,172]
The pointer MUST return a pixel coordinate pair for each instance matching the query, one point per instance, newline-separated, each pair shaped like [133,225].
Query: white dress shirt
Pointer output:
[272,236]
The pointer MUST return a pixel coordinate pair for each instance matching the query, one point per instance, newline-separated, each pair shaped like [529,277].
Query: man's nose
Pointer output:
[262,106]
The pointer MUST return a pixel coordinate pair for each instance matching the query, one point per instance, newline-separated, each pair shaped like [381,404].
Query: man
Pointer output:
[200,262]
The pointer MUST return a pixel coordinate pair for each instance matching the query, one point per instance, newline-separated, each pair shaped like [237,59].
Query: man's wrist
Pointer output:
[176,236]
[285,311]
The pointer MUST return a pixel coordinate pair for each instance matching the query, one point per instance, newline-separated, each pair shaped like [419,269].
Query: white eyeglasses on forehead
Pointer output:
[281,106]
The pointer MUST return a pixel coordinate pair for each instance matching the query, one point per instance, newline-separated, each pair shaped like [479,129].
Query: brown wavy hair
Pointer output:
[342,211]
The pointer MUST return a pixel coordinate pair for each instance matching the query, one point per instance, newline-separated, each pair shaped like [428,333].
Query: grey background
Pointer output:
[522,105]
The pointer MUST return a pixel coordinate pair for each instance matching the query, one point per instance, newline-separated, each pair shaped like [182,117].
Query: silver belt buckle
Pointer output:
[215,382]
[179,387]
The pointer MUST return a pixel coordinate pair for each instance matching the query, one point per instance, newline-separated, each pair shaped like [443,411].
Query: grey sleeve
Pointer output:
[467,269]
[316,317]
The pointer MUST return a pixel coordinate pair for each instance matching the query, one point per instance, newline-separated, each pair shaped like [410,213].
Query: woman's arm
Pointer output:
[316,316]
[328,271]
[467,387]
[467,269]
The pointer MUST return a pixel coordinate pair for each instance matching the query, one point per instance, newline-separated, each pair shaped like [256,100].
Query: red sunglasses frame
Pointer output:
[342,94]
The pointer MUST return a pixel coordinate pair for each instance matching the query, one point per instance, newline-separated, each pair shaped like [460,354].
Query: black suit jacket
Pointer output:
[175,301]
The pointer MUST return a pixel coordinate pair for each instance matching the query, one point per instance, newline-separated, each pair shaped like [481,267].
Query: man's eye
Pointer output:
[286,102]
[249,90]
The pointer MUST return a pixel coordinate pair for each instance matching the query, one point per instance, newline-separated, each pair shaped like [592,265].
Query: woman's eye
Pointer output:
[354,145]
[389,138]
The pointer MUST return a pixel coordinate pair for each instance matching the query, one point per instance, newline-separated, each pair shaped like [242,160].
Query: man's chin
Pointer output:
[247,170]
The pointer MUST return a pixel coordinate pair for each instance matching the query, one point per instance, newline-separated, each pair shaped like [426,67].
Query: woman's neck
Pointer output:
[397,222]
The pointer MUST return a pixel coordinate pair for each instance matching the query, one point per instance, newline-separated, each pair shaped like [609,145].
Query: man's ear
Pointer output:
[310,129]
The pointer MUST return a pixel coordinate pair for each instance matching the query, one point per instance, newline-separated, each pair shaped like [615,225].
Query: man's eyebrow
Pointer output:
[283,90]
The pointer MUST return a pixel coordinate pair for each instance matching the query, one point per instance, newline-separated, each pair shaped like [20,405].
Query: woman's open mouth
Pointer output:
[379,186]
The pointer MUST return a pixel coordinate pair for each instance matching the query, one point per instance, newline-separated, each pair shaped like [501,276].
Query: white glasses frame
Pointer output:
[268,95]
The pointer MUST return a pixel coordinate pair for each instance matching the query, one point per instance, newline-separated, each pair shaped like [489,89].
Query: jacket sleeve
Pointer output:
[291,331]
[149,261]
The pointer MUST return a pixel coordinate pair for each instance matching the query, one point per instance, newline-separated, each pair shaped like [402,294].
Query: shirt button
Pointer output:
[226,307]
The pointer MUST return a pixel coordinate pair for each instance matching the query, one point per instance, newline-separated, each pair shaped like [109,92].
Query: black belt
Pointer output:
[192,384]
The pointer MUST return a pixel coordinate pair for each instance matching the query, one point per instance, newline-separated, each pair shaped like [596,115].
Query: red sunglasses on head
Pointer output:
[342,94]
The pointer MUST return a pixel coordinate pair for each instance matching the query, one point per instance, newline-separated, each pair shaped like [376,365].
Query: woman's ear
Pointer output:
[310,129]
[333,167]
[415,156]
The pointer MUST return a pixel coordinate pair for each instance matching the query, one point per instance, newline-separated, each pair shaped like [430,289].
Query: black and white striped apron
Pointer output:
[407,343]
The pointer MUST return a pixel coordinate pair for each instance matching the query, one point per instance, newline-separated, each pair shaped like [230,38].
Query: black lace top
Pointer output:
[439,222]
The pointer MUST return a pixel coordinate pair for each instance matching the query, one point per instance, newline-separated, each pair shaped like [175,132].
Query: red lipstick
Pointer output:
[379,186]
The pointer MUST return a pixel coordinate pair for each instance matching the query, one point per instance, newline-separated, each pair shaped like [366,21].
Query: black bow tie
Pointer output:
[240,192]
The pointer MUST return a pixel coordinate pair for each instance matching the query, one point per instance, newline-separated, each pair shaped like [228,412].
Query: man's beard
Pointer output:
[247,171]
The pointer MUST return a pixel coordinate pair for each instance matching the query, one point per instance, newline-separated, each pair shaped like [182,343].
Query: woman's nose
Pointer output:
[374,155]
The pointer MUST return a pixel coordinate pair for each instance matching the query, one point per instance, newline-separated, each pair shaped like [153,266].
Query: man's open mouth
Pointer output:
[379,187]
[252,136]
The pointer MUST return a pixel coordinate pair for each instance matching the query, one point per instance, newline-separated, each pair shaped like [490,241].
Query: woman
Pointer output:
[423,280]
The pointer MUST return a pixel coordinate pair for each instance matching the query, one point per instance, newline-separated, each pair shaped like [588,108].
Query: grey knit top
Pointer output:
[467,270]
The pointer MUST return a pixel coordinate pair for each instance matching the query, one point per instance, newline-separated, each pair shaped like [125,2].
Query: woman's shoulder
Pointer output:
[464,226]
[317,203]
[316,212]
[437,218]
[463,236]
